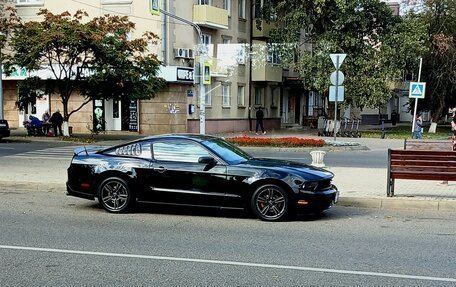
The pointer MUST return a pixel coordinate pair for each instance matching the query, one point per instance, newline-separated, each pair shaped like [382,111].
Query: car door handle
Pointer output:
[159,169]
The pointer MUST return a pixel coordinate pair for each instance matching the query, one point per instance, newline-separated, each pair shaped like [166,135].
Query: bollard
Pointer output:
[317,158]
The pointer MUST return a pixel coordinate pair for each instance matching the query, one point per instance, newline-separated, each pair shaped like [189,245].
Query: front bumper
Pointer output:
[317,201]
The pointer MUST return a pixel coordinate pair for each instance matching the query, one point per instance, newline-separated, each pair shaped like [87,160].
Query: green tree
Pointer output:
[439,63]
[94,58]
[366,30]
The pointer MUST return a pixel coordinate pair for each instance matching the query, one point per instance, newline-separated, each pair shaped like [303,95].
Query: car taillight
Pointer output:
[85,185]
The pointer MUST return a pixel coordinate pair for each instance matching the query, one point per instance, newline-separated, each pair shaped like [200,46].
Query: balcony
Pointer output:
[266,72]
[265,29]
[210,16]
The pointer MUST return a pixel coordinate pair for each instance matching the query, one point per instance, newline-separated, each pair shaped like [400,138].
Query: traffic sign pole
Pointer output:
[416,99]
[337,60]
[337,92]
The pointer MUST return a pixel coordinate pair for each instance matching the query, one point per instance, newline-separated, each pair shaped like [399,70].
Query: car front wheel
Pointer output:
[115,195]
[270,203]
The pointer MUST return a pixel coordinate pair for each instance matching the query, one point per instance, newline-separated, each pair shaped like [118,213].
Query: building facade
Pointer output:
[243,75]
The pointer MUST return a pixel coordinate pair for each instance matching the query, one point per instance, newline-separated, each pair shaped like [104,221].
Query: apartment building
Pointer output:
[244,74]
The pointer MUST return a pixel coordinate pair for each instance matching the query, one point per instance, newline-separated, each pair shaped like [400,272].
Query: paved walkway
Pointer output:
[363,187]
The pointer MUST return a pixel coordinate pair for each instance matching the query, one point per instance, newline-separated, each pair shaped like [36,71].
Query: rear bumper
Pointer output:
[72,192]
[4,133]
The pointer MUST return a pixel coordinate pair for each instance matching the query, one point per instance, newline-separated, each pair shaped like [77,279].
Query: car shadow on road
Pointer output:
[152,208]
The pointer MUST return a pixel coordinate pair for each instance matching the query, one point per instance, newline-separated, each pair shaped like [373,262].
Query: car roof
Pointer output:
[195,137]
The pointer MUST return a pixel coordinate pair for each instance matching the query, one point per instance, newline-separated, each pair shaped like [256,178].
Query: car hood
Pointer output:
[308,171]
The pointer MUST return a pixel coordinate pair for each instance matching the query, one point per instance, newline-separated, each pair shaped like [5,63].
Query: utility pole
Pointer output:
[202,58]
[1,87]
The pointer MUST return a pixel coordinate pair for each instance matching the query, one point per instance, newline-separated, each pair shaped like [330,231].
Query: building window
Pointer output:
[30,2]
[241,96]
[204,2]
[241,9]
[259,95]
[208,96]
[206,39]
[226,95]
[227,6]
[273,54]
[274,95]
[116,1]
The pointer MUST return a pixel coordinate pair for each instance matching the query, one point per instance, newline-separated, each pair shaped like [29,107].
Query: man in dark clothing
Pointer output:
[259,120]
[56,120]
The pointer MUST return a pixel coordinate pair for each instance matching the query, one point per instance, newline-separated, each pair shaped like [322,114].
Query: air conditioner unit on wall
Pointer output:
[191,53]
[180,53]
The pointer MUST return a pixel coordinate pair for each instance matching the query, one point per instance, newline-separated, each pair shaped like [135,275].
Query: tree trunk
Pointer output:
[66,130]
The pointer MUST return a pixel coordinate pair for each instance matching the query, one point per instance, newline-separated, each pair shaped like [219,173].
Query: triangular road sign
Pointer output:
[334,59]
[416,90]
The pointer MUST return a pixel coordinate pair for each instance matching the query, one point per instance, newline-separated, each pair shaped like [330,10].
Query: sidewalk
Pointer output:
[358,186]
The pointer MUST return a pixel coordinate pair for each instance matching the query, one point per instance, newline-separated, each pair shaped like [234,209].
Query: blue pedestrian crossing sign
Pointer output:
[417,90]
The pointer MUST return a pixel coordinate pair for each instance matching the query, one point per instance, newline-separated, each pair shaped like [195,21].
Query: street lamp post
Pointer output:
[202,58]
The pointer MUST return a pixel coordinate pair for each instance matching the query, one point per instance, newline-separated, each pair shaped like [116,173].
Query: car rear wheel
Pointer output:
[115,195]
[270,203]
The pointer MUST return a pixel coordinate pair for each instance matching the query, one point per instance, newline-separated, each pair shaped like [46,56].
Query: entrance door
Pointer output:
[113,115]
[297,114]
[116,115]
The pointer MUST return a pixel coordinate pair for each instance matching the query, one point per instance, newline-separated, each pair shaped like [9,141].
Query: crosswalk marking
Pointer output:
[56,153]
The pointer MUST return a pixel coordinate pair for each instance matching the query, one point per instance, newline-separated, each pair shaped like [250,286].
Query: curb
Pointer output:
[398,203]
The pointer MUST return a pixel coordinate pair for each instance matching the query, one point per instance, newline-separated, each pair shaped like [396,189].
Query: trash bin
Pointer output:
[394,118]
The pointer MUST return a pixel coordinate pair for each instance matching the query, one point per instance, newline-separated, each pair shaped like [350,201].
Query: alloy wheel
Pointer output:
[270,203]
[114,195]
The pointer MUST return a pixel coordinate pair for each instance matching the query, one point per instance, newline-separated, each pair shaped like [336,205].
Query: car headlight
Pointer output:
[310,185]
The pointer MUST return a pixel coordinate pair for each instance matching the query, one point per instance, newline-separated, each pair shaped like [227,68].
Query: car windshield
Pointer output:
[227,151]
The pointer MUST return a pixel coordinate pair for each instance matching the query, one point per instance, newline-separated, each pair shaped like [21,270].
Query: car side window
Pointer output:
[178,151]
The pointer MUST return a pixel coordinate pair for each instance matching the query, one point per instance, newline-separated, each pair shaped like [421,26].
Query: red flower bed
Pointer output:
[276,142]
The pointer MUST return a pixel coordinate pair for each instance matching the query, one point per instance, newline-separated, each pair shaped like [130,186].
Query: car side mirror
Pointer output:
[209,161]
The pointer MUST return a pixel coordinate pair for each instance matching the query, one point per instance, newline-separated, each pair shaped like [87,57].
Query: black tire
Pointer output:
[114,195]
[270,203]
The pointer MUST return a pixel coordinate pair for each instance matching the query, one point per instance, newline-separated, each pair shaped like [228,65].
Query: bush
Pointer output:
[276,142]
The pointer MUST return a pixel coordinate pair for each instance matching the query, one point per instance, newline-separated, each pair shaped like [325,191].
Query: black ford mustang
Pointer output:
[197,170]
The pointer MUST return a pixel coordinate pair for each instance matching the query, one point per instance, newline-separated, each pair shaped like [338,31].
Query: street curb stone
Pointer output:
[398,203]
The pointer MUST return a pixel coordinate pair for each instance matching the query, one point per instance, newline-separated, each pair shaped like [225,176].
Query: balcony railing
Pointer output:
[265,29]
[266,72]
[210,16]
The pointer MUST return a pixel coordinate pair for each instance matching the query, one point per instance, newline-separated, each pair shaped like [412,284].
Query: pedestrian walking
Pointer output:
[417,131]
[259,121]
[46,125]
[56,120]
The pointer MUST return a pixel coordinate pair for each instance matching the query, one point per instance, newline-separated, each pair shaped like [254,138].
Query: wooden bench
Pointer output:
[444,145]
[420,165]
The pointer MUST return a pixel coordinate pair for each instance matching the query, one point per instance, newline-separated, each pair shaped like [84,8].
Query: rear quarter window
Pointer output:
[137,149]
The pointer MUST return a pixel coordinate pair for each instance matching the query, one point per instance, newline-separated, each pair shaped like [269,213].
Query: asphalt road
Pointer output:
[48,239]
